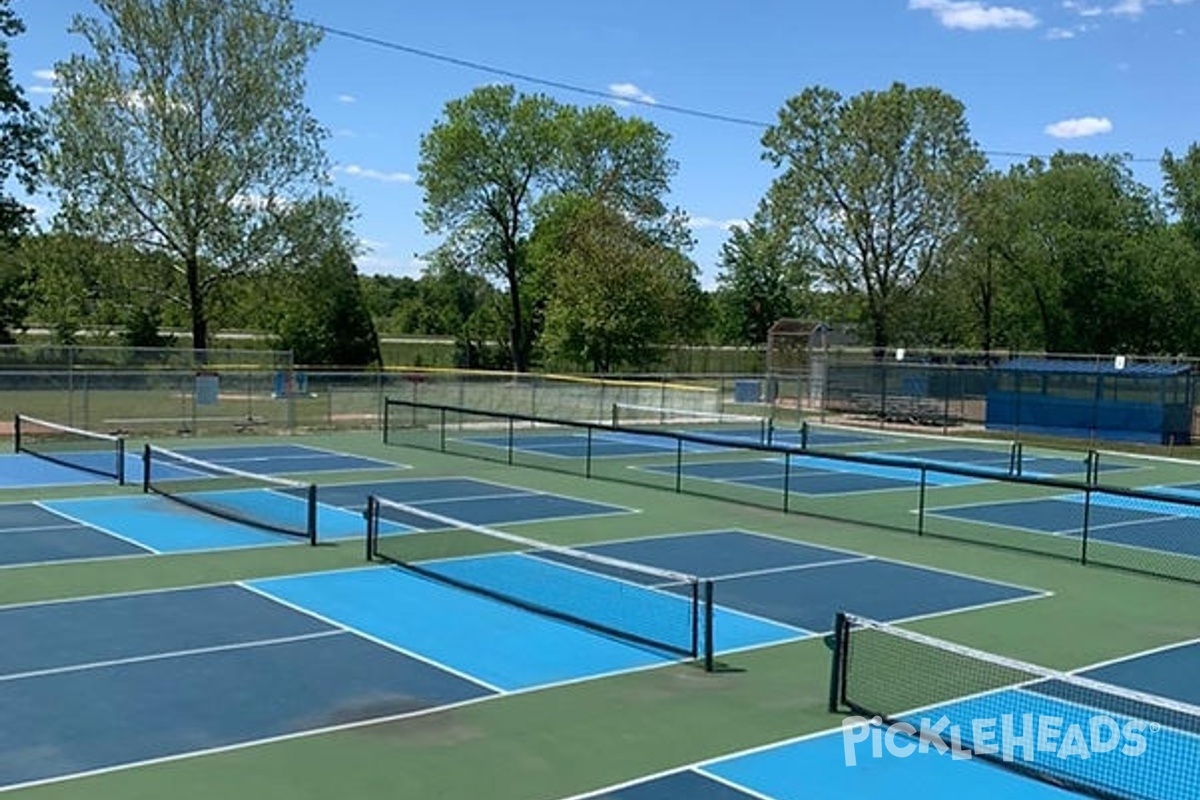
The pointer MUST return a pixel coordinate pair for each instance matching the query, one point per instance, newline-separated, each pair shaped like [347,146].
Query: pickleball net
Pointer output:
[97,453]
[739,427]
[261,501]
[664,611]
[1085,735]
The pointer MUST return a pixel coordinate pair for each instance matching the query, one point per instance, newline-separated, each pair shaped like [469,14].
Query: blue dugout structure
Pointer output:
[1149,403]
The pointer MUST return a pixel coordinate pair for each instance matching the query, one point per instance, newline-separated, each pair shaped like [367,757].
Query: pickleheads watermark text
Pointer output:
[1027,737]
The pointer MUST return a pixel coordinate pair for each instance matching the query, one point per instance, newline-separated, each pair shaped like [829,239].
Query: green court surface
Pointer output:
[579,737]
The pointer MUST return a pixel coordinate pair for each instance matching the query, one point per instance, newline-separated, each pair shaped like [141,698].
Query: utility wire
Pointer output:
[488,69]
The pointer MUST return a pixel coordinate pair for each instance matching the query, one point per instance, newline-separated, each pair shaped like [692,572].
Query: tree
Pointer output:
[320,315]
[1181,185]
[614,293]
[185,132]
[310,298]
[21,143]
[496,156]
[872,188]
[761,281]
[78,283]
[1069,233]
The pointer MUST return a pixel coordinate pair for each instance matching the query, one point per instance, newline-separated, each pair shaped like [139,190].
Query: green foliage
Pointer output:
[497,158]
[613,294]
[1069,247]
[311,298]
[21,143]
[81,284]
[761,281]
[15,292]
[184,132]
[322,318]
[1181,186]
[143,328]
[872,189]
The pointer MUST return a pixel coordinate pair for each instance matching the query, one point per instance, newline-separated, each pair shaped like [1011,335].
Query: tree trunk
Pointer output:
[987,300]
[198,311]
[517,332]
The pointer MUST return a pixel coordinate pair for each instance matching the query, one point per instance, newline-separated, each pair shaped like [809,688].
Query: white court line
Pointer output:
[267,595]
[42,504]
[850,555]
[913,564]
[166,655]
[74,526]
[737,787]
[700,767]
[754,573]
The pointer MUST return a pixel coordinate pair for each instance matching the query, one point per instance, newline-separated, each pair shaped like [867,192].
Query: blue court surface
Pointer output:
[603,444]
[1111,519]
[25,471]
[606,444]
[809,475]
[207,667]
[129,525]
[830,765]
[983,458]
[284,459]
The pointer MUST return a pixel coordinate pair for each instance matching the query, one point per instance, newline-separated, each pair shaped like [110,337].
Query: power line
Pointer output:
[565,86]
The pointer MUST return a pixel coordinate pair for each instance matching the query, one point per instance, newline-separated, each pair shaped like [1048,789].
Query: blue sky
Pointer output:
[1102,76]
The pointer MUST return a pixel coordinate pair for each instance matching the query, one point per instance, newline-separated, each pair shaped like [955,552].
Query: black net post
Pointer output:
[787,472]
[510,441]
[678,465]
[17,433]
[587,463]
[442,430]
[372,526]
[695,617]
[121,462]
[311,499]
[387,407]
[706,610]
[146,469]
[837,682]
[804,435]
[1087,518]
[921,500]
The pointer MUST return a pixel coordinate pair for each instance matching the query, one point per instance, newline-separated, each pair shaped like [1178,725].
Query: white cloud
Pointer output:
[708,223]
[347,98]
[1060,33]
[385,265]
[1128,8]
[972,15]
[356,171]
[45,75]
[629,91]
[1083,9]
[40,89]
[1079,127]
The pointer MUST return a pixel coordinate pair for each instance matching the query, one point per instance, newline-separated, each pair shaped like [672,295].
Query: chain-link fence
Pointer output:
[169,391]
[1092,396]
